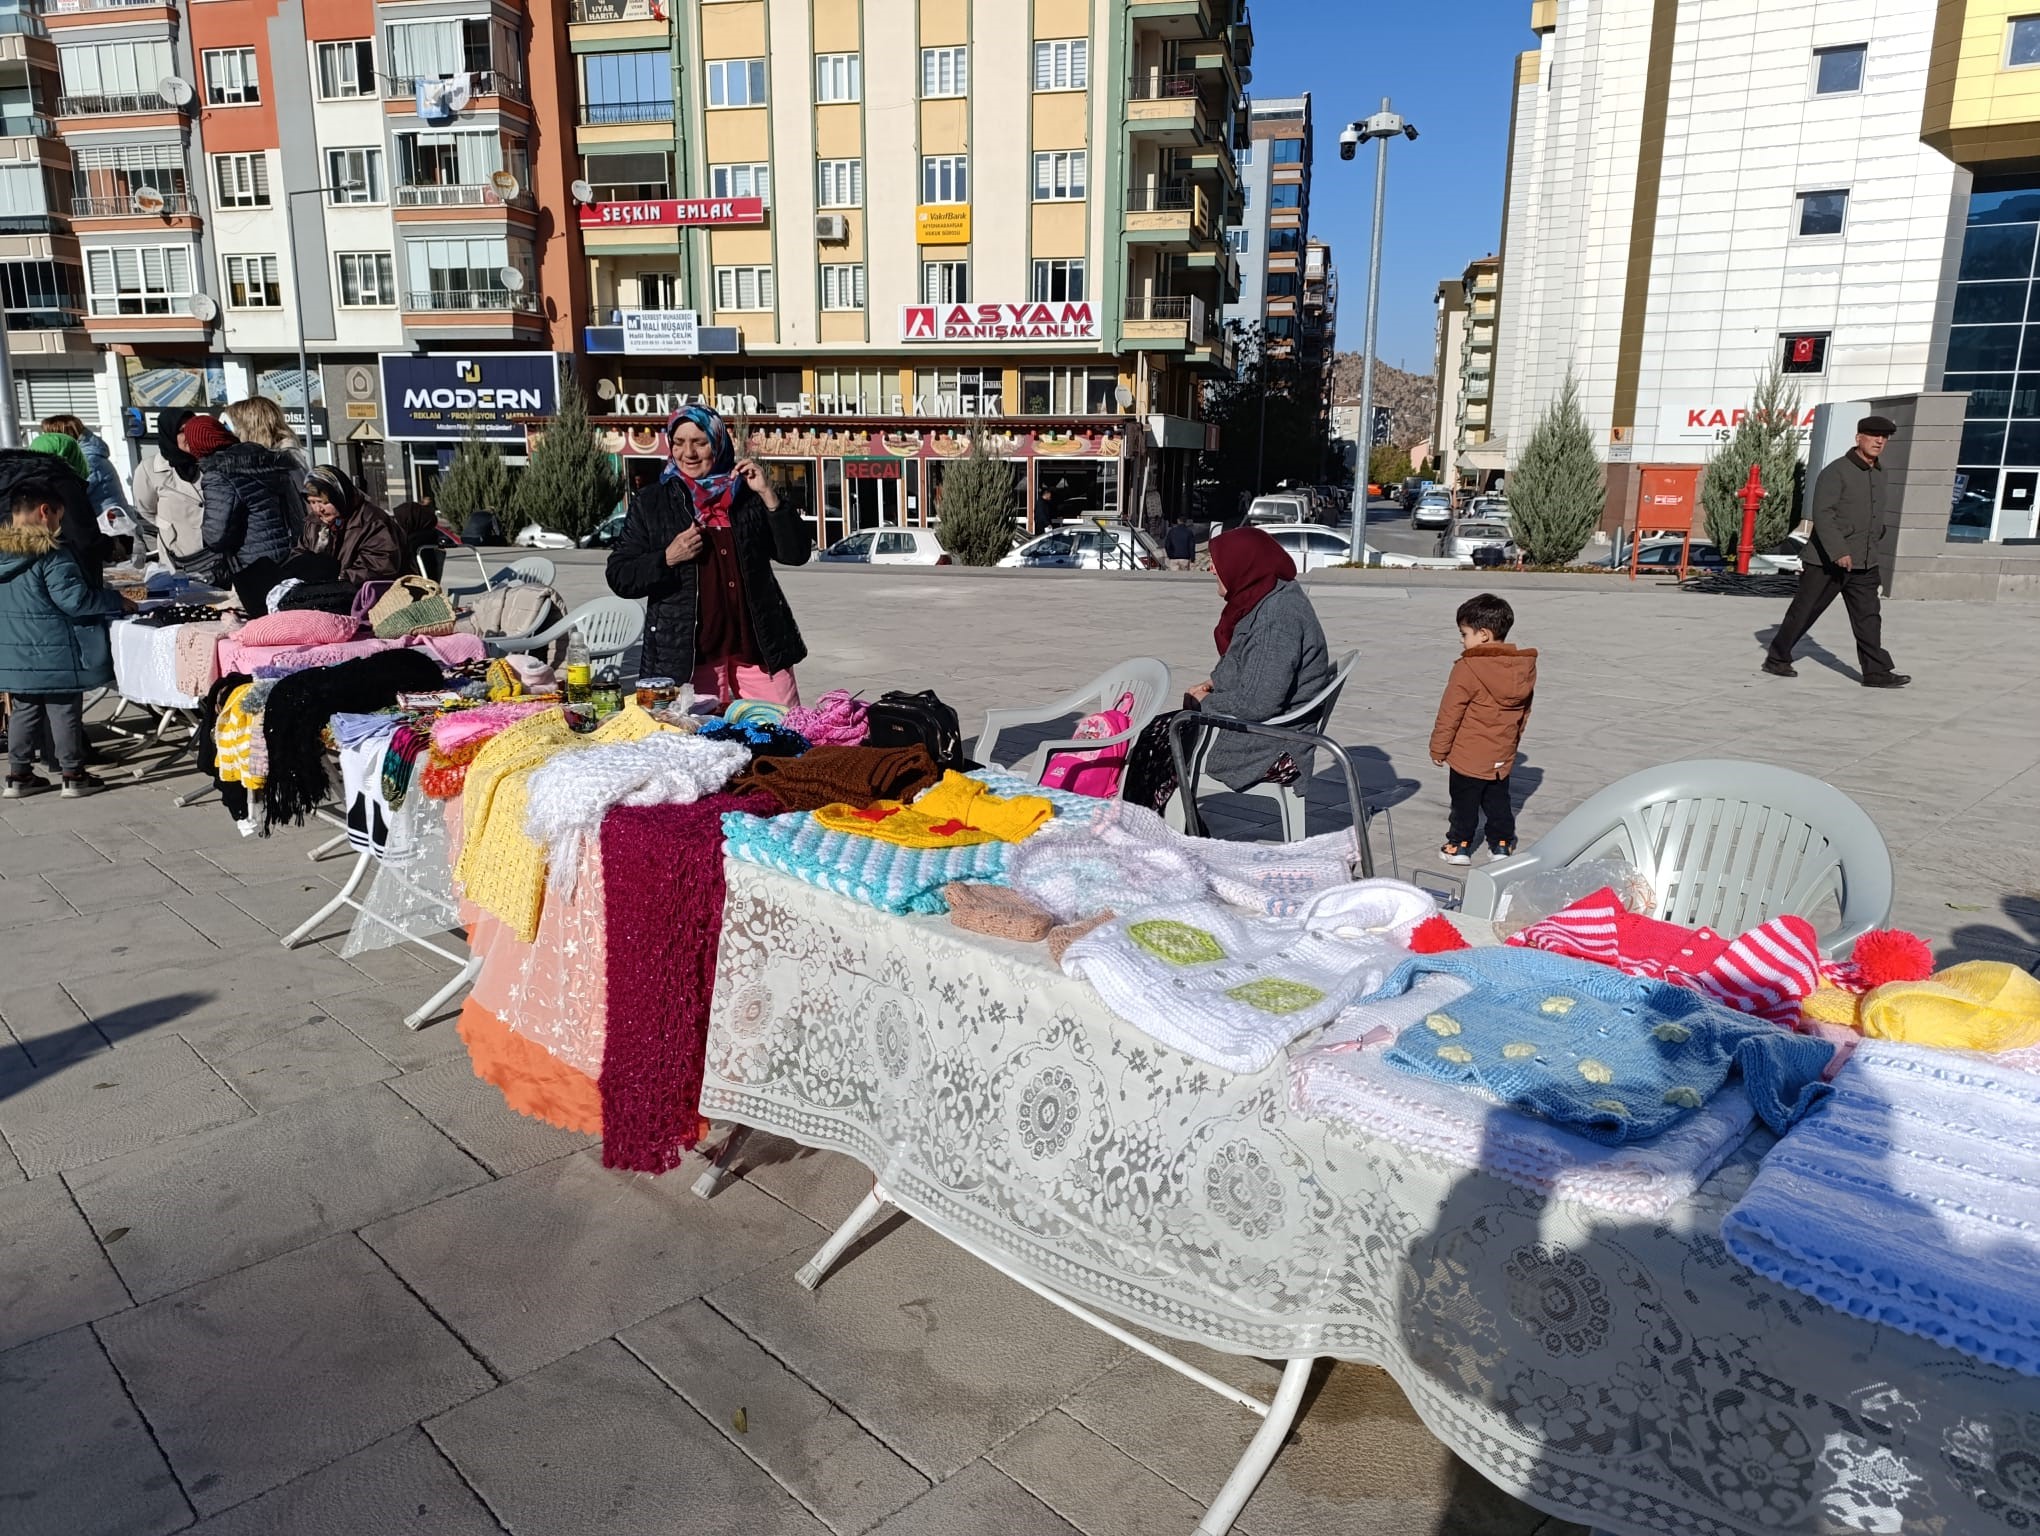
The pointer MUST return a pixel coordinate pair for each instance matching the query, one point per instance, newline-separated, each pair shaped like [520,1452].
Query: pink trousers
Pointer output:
[730,680]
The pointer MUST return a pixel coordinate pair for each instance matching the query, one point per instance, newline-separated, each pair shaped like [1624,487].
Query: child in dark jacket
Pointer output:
[1480,726]
[53,645]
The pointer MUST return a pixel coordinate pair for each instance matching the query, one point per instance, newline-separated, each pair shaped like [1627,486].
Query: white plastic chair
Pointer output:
[1723,844]
[1291,801]
[532,568]
[609,625]
[1142,676]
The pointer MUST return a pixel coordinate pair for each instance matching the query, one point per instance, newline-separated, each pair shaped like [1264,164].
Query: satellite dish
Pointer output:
[147,200]
[506,185]
[1246,75]
[176,90]
[605,389]
[513,279]
[581,192]
[204,308]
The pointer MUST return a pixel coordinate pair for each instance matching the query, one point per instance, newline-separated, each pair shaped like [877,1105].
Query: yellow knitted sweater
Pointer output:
[501,869]
[954,814]
[233,743]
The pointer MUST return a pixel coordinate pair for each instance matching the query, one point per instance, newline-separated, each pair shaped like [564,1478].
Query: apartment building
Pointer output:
[1448,354]
[869,226]
[223,182]
[1272,233]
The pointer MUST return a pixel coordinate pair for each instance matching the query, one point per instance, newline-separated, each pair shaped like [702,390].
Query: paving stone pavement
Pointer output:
[271,1262]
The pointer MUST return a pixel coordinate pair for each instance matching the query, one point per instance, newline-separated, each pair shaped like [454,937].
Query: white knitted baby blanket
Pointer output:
[570,794]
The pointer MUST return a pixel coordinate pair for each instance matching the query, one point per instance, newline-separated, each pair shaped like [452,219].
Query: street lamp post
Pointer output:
[297,293]
[1381,127]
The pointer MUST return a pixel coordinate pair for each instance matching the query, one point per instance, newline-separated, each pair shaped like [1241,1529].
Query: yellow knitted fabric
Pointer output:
[891,822]
[970,802]
[234,743]
[501,869]
[1830,1005]
[1980,1005]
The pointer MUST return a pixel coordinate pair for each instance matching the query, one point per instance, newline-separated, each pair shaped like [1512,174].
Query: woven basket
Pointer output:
[412,606]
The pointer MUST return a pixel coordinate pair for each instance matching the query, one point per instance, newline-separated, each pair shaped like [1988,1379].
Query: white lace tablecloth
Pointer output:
[145,665]
[1629,1375]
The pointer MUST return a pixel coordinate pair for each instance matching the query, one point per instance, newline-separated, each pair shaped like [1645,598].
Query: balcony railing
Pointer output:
[29,125]
[69,7]
[1158,306]
[1160,87]
[456,196]
[1172,196]
[616,10]
[66,316]
[124,207]
[29,223]
[115,105]
[599,113]
[22,24]
[481,82]
[469,299]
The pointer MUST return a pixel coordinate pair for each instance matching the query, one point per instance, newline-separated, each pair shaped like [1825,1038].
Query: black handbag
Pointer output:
[918,719]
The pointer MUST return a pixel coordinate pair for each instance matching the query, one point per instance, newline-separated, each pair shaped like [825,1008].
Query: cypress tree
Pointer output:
[1556,490]
[569,486]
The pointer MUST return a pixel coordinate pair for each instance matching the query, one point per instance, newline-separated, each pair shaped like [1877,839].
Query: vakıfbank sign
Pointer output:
[443,396]
[998,322]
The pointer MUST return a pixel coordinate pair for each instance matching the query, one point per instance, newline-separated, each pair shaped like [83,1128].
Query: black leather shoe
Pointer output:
[1889,680]
[1780,668]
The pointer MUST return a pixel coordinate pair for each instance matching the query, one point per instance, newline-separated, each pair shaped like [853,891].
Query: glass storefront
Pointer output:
[1994,356]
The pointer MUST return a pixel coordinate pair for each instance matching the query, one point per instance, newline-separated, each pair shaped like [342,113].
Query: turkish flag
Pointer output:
[1802,349]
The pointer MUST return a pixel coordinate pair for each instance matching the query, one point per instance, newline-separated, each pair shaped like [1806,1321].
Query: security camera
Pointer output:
[1349,141]
[1409,130]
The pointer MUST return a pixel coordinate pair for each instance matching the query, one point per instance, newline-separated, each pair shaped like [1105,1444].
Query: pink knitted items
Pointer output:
[662,877]
[997,912]
[1060,939]
[452,731]
[836,719]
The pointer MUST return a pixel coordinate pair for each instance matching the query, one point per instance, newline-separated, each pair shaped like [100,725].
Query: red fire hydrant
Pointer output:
[1752,498]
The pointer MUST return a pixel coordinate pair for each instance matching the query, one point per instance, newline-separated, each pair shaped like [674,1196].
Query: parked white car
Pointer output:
[531,536]
[887,546]
[1312,547]
[1459,543]
[1115,547]
[1433,510]
[1788,558]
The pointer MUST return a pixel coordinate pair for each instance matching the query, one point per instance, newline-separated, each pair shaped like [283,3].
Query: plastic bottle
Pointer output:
[580,669]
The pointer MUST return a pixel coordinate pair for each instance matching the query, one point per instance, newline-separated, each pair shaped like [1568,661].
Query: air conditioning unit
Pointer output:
[832,227]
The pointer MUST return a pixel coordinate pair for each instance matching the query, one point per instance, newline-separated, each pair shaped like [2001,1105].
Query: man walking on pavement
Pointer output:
[1849,502]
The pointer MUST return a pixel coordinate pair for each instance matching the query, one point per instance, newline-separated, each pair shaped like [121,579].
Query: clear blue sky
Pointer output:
[1449,66]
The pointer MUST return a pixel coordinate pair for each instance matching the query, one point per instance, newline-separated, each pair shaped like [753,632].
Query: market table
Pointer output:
[1620,1372]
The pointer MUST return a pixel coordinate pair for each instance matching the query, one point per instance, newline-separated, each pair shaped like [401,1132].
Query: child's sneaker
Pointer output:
[1457,853]
[80,784]
[1502,849]
[21,784]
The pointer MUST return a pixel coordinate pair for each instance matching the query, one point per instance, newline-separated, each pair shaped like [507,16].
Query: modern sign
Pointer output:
[442,396]
[661,332]
[1708,423]
[998,322]
[671,213]
[942,224]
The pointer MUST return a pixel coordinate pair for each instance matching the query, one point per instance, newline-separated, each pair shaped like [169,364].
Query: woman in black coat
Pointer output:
[698,546]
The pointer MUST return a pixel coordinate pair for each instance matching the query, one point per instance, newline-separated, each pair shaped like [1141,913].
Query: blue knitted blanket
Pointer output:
[872,871]
[1910,1199]
[1616,1058]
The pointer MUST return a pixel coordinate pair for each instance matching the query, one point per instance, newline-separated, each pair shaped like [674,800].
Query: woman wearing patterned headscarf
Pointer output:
[698,545]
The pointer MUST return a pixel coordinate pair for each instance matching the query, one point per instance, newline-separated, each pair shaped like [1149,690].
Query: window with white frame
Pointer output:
[741,181]
[658,290]
[1839,71]
[467,273]
[447,45]
[354,176]
[839,77]
[1059,175]
[1059,279]
[230,77]
[253,282]
[843,286]
[1062,65]
[241,181]
[743,287]
[346,69]
[97,76]
[2022,42]
[368,280]
[1822,214]
[839,184]
[945,71]
[735,82]
[138,279]
[945,282]
[945,178]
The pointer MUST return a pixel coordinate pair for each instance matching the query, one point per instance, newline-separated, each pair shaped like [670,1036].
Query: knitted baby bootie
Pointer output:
[997,911]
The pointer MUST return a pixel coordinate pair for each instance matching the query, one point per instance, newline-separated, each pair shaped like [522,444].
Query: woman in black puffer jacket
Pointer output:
[699,545]
[253,508]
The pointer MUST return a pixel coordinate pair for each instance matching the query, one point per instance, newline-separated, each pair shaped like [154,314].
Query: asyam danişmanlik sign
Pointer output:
[442,396]
[998,322]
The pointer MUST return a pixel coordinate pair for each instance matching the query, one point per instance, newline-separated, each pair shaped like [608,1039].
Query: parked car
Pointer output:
[1115,547]
[1433,510]
[1284,508]
[1460,541]
[1663,554]
[531,536]
[887,546]
[1787,557]
[1312,547]
[607,534]
[1494,509]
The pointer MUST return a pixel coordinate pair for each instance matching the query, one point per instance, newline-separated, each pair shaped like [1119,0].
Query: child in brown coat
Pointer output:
[1480,726]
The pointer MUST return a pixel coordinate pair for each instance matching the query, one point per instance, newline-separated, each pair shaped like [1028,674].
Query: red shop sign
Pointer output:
[670,213]
[871,469]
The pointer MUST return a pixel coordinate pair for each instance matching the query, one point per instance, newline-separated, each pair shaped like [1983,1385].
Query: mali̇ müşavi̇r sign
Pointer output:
[998,322]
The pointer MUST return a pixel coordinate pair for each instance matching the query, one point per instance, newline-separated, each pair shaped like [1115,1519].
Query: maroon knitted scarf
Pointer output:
[662,878]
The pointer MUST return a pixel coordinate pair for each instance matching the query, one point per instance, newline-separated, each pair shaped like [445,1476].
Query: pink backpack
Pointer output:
[1095,772]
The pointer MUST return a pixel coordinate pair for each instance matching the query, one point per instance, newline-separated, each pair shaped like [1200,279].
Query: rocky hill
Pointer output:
[1412,396]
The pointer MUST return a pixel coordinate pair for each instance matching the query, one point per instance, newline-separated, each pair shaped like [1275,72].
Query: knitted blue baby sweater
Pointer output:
[1616,1058]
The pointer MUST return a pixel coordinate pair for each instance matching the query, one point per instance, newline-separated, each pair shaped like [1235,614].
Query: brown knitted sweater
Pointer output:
[839,776]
